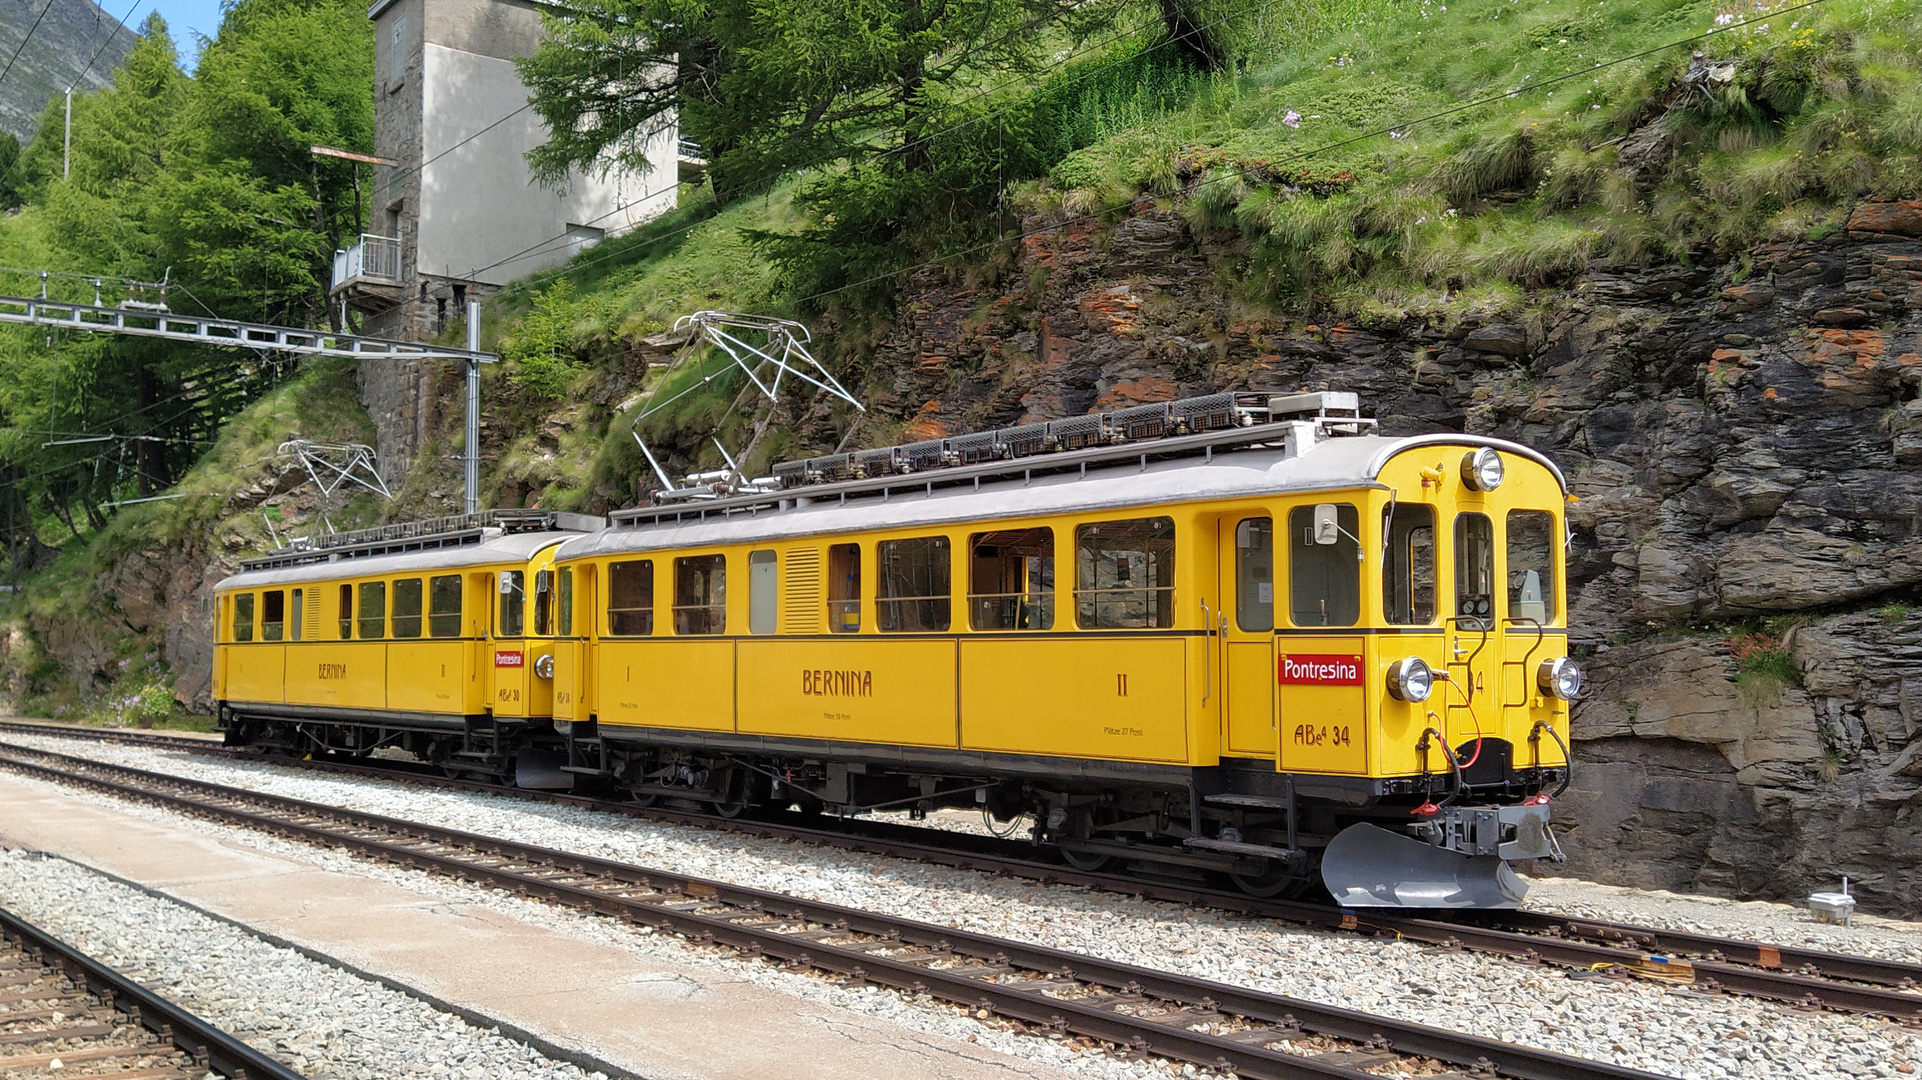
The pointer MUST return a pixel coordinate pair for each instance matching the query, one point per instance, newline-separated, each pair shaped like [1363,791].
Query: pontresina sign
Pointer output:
[1317,669]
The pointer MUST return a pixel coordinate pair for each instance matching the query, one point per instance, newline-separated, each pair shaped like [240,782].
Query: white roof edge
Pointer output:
[1443,438]
[380,6]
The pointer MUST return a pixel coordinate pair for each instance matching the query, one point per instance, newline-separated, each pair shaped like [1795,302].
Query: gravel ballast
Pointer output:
[1675,1032]
[319,1019]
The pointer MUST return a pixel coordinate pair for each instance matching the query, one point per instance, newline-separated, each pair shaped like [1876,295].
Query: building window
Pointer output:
[1324,566]
[407,608]
[1011,580]
[630,599]
[844,588]
[700,595]
[273,615]
[513,604]
[1125,574]
[1255,575]
[1531,565]
[443,596]
[1408,574]
[244,616]
[913,589]
[373,610]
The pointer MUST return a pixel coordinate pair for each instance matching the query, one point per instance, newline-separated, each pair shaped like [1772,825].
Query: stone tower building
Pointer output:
[456,213]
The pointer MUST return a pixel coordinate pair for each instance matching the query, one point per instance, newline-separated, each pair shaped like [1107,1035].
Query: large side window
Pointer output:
[273,615]
[407,608]
[513,604]
[700,595]
[443,611]
[1324,568]
[346,612]
[1011,580]
[1125,573]
[913,585]
[1474,566]
[1408,575]
[1255,574]
[763,592]
[567,601]
[1531,565]
[630,598]
[844,588]
[373,610]
[243,616]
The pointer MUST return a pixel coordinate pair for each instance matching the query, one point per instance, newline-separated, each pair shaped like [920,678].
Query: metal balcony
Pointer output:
[367,275]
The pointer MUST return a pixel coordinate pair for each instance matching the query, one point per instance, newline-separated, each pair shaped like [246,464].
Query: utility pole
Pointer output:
[473,407]
[66,147]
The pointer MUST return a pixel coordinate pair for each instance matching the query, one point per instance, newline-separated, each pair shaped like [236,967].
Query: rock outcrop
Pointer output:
[1744,441]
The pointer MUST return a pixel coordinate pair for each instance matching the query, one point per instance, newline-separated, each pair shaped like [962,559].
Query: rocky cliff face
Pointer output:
[1744,441]
[69,36]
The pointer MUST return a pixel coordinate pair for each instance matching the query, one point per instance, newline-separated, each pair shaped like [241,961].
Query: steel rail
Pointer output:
[1715,964]
[811,934]
[207,1045]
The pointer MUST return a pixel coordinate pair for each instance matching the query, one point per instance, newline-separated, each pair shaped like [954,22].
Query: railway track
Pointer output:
[63,1010]
[1804,977]
[1133,1009]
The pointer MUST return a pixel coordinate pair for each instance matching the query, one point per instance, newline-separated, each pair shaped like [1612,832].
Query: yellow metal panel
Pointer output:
[569,678]
[256,672]
[426,676]
[1250,697]
[1523,703]
[509,661]
[1094,697]
[855,690]
[339,675]
[540,692]
[669,682]
[1324,691]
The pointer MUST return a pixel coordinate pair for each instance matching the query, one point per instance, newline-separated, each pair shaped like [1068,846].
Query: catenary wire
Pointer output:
[23,41]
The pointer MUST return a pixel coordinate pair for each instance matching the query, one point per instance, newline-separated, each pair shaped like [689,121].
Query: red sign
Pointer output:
[1304,669]
[509,658]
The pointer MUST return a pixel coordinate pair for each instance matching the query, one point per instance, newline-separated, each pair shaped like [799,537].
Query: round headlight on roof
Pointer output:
[1559,678]
[1482,469]
[1410,680]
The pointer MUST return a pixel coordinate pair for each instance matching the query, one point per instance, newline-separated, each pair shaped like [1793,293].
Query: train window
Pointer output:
[1125,573]
[300,615]
[700,595]
[244,616]
[543,602]
[844,588]
[346,612]
[763,591]
[1255,574]
[567,602]
[407,608]
[273,615]
[1531,565]
[513,604]
[1011,580]
[1324,579]
[1474,566]
[630,599]
[373,610]
[1408,574]
[914,586]
[443,606]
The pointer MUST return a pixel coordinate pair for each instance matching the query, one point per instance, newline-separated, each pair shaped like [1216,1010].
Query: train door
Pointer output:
[1246,624]
[1320,658]
[507,687]
[1474,660]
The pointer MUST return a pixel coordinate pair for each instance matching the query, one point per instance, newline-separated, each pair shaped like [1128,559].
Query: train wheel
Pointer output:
[732,808]
[1087,862]
[1274,883]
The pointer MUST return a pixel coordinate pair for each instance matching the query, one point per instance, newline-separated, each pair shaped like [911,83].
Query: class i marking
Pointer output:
[1120,685]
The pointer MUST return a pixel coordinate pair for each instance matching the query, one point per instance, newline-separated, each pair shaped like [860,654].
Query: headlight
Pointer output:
[544,666]
[1410,680]
[1559,678]
[1482,470]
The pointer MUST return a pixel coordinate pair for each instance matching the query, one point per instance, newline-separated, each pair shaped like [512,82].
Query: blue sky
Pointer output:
[184,19]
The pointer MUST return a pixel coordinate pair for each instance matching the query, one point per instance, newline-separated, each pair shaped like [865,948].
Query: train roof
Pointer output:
[484,550]
[1300,463]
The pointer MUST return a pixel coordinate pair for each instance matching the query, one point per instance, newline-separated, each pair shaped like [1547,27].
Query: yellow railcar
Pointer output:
[1235,634]
[433,637]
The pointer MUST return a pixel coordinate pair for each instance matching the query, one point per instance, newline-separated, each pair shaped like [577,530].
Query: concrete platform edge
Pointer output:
[587,1062]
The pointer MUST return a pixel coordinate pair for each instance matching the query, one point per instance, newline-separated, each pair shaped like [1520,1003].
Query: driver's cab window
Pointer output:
[1474,566]
[1324,565]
